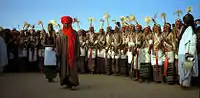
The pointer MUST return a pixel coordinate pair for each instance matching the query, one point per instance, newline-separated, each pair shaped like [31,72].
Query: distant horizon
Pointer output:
[17,12]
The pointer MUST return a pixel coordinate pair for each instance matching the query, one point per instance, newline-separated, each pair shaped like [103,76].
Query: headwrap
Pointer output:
[188,19]
[69,32]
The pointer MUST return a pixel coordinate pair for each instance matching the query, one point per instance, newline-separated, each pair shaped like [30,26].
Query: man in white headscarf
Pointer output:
[187,52]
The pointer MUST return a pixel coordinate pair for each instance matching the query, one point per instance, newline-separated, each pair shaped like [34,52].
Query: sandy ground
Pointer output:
[34,85]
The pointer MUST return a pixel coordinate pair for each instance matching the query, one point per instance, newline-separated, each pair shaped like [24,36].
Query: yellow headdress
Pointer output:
[147,20]
[26,25]
[91,19]
[189,9]
[53,22]
[163,15]
[41,23]
[122,18]
[107,16]
[178,13]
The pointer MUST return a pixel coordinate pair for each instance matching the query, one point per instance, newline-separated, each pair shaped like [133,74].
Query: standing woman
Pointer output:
[50,68]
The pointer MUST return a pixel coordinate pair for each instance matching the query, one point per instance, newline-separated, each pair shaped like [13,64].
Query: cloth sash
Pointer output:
[169,58]
[91,53]
[32,54]
[137,60]
[83,51]
[49,57]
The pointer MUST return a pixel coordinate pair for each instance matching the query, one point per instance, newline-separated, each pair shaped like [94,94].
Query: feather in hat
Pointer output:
[114,21]
[102,23]
[107,16]
[127,19]
[122,18]
[147,20]
[91,19]
[154,17]
[53,22]
[40,22]
[189,9]
[132,18]
[163,15]
[178,13]
[28,25]
[25,24]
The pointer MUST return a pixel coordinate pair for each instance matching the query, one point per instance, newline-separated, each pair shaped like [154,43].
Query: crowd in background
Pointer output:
[143,53]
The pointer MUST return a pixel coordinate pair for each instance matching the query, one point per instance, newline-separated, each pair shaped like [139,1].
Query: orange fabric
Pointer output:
[166,66]
[156,65]
[90,57]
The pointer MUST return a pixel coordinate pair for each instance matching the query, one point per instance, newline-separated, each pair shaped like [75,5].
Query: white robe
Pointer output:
[188,41]
[3,53]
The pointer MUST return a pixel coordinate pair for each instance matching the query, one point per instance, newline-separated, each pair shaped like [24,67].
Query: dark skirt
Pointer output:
[81,65]
[123,67]
[12,66]
[33,67]
[157,74]
[108,66]
[100,67]
[170,73]
[131,71]
[22,63]
[41,64]
[145,70]
[91,64]
[50,72]
[115,66]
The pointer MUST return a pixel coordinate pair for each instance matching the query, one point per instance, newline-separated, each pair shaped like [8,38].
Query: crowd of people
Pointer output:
[143,53]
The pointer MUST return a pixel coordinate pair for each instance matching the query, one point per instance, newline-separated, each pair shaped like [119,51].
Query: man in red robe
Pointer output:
[68,52]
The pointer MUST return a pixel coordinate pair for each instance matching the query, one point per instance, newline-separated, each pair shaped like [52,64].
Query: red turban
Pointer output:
[66,20]
[71,38]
